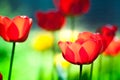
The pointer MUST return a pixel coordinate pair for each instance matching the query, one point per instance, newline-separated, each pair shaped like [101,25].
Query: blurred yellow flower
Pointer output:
[59,60]
[42,41]
[68,35]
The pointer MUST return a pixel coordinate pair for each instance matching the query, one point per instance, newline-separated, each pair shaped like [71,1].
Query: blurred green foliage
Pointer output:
[37,65]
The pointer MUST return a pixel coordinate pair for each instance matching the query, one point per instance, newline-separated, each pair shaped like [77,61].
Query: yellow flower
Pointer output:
[68,35]
[43,41]
[59,60]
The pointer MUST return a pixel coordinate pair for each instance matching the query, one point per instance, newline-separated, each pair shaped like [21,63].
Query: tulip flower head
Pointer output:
[84,50]
[1,77]
[114,48]
[42,41]
[16,29]
[108,32]
[51,20]
[72,7]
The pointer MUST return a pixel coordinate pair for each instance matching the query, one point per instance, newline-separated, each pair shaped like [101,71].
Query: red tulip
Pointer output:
[72,7]
[113,48]
[84,50]
[1,78]
[86,36]
[108,32]
[16,29]
[51,20]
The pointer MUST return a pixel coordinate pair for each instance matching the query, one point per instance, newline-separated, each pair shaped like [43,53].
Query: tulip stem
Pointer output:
[80,77]
[11,61]
[72,27]
[68,73]
[100,67]
[72,23]
[111,68]
[91,71]
[54,52]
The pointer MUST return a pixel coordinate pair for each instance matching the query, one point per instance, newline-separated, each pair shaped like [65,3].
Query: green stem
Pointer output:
[11,61]
[54,52]
[72,23]
[68,73]
[100,67]
[111,61]
[91,71]
[80,77]
[72,26]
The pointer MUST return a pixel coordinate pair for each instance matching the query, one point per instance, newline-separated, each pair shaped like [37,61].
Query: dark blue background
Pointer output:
[101,11]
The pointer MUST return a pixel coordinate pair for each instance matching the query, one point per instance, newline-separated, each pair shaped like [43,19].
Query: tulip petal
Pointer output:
[108,32]
[19,22]
[4,24]
[84,58]
[92,49]
[72,7]
[62,46]
[114,48]
[84,36]
[75,48]
[40,16]
[24,25]
[2,30]
[13,32]
[51,20]
[26,30]
[69,55]
[86,6]
[66,51]
[66,7]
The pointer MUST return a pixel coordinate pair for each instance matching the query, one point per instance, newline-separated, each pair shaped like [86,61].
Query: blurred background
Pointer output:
[101,11]
[38,62]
